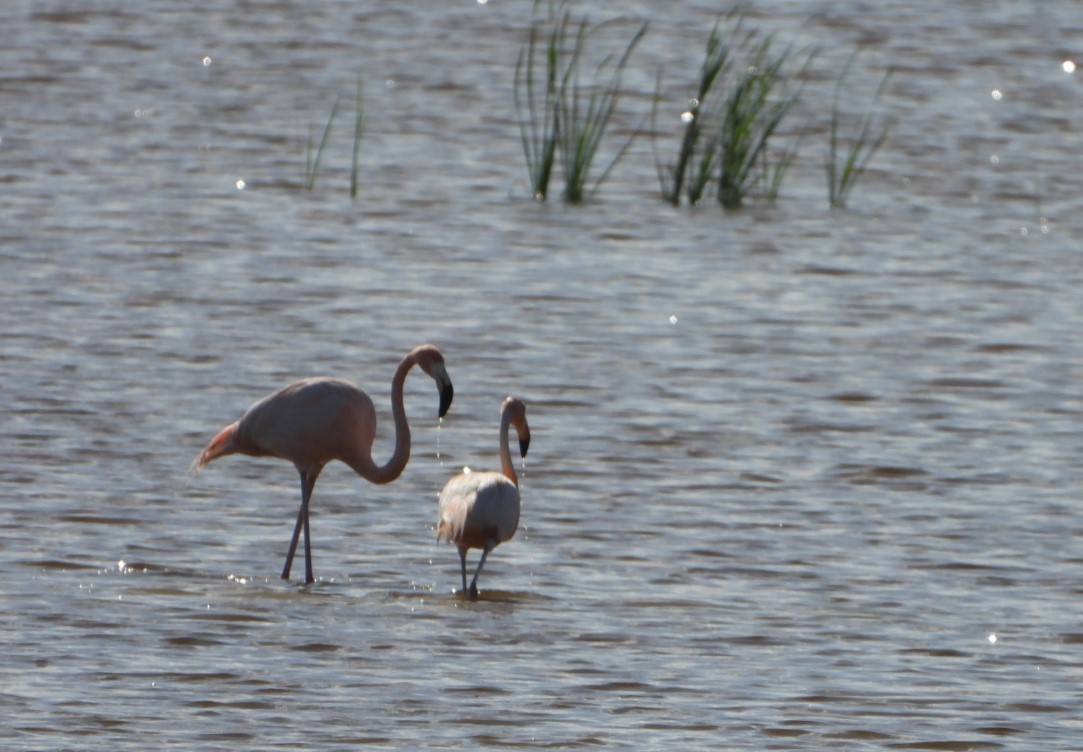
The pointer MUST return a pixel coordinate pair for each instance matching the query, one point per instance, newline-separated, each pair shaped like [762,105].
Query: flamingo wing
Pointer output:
[476,508]
[310,423]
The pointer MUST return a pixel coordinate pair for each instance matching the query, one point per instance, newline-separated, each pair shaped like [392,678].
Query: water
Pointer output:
[799,479]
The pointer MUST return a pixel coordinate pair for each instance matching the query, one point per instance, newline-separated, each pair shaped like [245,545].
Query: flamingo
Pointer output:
[321,419]
[481,509]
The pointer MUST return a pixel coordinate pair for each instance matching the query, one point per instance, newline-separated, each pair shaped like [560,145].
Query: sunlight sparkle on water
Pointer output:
[240,184]
[992,638]
[1068,66]
[690,114]
[997,94]
[206,61]
[673,319]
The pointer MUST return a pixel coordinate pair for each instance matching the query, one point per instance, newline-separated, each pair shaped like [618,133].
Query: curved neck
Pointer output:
[505,449]
[394,467]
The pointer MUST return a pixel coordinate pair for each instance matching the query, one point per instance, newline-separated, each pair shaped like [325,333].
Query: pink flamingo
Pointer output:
[481,509]
[318,420]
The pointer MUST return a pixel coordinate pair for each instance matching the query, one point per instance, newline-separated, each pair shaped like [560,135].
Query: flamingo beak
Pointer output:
[443,386]
[524,444]
[447,392]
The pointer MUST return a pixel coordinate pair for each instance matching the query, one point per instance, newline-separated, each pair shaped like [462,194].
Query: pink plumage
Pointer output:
[318,420]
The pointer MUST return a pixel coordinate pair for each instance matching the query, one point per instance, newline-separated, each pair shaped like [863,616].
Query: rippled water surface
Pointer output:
[799,479]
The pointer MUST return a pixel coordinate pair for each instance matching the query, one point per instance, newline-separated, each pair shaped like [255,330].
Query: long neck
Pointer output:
[394,467]
[505,450]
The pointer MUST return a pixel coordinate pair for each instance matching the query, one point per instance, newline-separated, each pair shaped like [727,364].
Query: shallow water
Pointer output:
[798,479]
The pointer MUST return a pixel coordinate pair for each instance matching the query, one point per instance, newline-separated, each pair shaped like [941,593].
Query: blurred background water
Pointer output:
[799,478]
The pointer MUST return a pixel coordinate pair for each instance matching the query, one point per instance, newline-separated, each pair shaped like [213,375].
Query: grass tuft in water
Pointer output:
[585,114]
[558,115]
[538,125]
[744,92]
[843,170]
[751,115]
[314,152]
[774,167]
[676,178]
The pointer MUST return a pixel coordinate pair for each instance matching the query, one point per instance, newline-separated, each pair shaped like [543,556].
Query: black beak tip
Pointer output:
[446,395]
[524,444]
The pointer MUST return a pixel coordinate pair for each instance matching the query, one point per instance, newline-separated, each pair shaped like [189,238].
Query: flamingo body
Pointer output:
[481,509]
[310,423]
[478,507]
[317,420]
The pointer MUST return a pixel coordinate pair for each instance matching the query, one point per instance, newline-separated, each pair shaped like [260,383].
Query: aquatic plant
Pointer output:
[751,114]
[743,93]
[358,128]
[675,178]
[560,115]
[843,172]
[538,126]
[314,152]
[774,166]
[584,117]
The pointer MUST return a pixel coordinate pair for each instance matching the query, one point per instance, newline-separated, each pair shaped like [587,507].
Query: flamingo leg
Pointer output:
[481,563]
[308,482]
[308,546]
[462,565]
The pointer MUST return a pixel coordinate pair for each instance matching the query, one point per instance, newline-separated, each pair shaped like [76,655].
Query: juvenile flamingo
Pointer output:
[318,420]
[481,509]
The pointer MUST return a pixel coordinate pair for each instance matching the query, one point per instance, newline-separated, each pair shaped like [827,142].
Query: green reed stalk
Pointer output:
[842,174]
[314,154]
[358,127]
[536,105]
[560,117]
[773,170]
[716,64]
[585,114]
[743,94]
[751,115]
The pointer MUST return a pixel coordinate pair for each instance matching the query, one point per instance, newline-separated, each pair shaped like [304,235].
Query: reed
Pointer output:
[843,170]
[559,116]
[536,106]
[314,152]
[718,59]
[358,128]
[774,168]
[585,114]
[743,93]
[751,115]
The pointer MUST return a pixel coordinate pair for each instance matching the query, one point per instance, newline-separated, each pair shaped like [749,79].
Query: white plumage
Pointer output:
[481,509]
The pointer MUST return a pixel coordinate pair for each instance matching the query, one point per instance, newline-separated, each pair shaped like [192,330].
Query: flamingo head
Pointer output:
[515,410]
[431,362]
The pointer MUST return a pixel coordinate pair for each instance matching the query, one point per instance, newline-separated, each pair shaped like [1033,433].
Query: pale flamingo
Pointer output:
[318,420]
[481,509]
